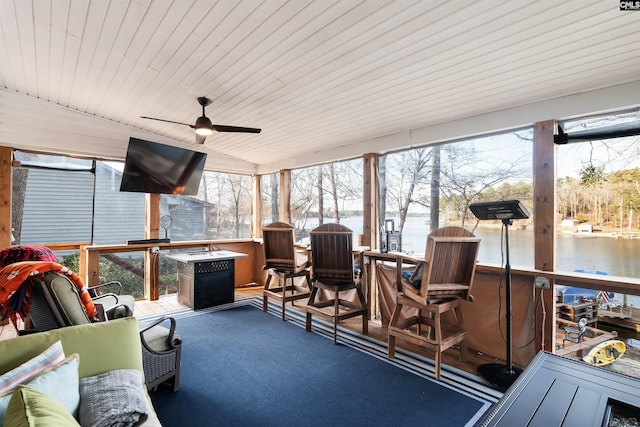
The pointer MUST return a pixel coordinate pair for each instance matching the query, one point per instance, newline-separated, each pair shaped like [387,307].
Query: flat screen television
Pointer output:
[163,169]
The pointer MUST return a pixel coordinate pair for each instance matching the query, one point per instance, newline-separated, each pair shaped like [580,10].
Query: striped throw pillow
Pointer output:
[25,372]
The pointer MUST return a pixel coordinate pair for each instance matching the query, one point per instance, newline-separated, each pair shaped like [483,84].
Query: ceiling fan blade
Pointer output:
[200,138]
[168,121]
[224,128]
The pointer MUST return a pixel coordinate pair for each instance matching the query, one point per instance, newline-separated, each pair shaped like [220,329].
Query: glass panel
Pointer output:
[126,268]
[168,272]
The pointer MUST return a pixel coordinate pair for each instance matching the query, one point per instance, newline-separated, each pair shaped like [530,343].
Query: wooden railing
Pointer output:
[89,267]
[248,270]
[623,285]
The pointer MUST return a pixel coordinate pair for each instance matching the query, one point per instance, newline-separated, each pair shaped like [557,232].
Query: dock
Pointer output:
[624,317]
[573,347]
[577,350]
[628,364]
[570,343]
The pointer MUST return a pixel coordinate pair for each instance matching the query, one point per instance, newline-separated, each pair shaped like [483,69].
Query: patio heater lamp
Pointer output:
[506,211]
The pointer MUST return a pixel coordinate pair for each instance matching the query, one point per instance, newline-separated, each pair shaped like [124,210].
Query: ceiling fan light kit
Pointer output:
[204,127]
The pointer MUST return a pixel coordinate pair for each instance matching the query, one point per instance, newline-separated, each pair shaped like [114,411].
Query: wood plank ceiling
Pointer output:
[324,79]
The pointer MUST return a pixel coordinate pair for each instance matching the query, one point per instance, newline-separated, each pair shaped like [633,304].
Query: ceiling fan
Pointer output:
[203,125]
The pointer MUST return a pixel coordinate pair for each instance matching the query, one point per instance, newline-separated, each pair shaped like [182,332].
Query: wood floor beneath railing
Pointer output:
[169,303]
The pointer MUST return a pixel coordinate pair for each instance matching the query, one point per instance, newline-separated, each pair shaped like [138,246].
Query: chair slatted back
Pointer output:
[279,251]
[56,303]
[332,254]
[450,262]
[44,314]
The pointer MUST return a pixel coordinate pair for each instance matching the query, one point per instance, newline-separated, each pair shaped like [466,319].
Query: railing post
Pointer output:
[92,267]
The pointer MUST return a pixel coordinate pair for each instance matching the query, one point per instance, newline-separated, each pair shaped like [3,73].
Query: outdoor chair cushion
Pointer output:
[156,338]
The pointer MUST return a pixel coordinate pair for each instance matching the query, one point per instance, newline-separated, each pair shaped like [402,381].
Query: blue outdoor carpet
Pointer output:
[244,367]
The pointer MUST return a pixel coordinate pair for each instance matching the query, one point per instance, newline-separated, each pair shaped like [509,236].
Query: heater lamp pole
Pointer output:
[502,375]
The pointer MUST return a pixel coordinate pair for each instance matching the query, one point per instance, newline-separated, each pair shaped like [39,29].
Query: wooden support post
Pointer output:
[544,210]
[284,204]
[82,262]
[370,200]
[6,174]
[256,206]
[151,231]
[370,225]
[91,276]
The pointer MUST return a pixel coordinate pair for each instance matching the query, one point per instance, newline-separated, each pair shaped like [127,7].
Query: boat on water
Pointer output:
[605,353]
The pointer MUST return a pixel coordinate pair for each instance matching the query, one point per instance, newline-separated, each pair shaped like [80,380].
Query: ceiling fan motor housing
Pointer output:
[203,126]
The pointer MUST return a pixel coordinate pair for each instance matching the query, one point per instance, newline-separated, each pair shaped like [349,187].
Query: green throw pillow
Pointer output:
[29,407]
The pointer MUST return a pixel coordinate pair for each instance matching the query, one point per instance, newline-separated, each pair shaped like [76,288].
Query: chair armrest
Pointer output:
[22,332]
[408,259]
[172,329]
[113,311]
[115,283]
[104,296]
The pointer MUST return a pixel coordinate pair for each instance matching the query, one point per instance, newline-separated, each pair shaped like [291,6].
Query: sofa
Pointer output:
[103,349]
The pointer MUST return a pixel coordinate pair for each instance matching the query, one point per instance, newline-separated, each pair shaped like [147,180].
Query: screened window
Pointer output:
[119,216]
[431,187]
[221,210]
[52,199]
[598,199]
[330,193]
[270,198]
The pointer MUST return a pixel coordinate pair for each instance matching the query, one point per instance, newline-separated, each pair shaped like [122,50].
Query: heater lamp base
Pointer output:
[499,375]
